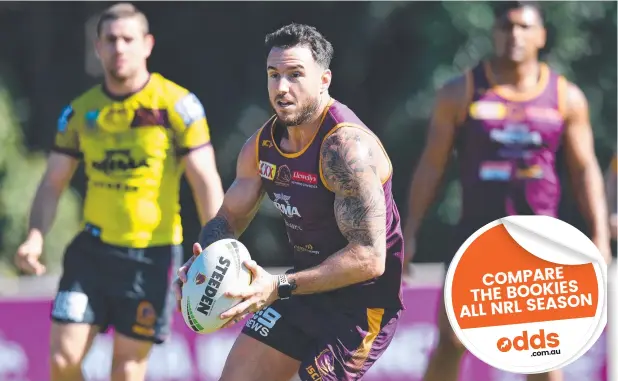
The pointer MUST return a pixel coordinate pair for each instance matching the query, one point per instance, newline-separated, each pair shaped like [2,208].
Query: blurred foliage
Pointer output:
[20,173]
[389,59]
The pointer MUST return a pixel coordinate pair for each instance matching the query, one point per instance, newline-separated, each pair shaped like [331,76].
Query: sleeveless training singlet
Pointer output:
[294,183]
[507,147]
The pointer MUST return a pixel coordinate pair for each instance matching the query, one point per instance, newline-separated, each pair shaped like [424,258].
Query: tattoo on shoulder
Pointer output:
[349,166]
[216,229]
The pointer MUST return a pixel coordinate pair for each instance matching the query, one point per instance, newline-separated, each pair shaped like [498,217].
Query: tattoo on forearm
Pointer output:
[216,229]
[360,210]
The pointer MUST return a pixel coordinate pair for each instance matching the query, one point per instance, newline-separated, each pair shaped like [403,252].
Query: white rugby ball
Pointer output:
[216,270]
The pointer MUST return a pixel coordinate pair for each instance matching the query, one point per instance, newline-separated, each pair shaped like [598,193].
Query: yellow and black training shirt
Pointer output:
[132,150]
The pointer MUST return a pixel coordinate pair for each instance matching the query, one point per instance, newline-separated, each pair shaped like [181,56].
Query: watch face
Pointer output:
[284,290]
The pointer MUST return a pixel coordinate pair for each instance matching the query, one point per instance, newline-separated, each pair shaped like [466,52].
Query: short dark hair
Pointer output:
[502,7]
[122,11]
[302,35]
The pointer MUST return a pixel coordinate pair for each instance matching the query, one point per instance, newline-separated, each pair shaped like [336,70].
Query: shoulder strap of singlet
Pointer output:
[265,129]
[562,93]
[469,97]
[480,77]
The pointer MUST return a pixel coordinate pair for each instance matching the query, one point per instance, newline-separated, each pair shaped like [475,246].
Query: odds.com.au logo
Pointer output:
[542,343]
[536,307]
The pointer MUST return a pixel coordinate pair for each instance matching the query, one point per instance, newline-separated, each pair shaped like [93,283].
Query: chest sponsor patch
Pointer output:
[267,170]
[305,179]
[484,110]
[543,114]
[531,172]
[495,170]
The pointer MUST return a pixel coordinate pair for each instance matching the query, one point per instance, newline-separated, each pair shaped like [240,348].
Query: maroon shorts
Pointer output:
[331,344]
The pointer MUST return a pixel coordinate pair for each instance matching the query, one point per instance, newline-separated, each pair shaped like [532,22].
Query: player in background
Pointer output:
[506,119]
[335,313]
[136,133]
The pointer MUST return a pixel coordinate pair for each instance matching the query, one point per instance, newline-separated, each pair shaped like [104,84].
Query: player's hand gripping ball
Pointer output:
[216,270]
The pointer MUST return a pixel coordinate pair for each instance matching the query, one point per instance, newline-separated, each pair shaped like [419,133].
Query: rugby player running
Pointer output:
[136,133]
[507,118]
[335,312]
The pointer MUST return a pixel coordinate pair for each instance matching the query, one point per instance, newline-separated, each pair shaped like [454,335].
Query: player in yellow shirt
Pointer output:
[137,134]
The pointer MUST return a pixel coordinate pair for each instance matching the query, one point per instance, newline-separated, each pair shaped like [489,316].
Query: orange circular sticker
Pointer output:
[527,294]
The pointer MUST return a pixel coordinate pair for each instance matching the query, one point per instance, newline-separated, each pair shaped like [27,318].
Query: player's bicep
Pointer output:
[349,167]
[578,136]
[188,119]
[66,140]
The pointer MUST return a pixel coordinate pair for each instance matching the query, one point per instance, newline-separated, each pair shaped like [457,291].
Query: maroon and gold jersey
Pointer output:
[294,183]
[506,148]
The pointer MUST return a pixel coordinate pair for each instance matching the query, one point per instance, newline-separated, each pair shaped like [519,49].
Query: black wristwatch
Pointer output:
[284,288]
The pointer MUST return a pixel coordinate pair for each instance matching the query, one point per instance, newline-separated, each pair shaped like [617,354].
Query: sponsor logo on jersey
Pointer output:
[190,109]
[305,179]
[115,186]
[543,114]
[282,202]
[292,226]
[531,172]
[515,112]
[267,170]
[516,134]
[146,117]
[206,301]
[308,248]
[495,170]
[119,163]
[484,110]
[65,116]
[267,143]
[91,118]
[284,176]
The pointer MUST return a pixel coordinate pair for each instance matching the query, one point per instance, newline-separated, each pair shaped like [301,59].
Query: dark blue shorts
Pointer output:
[331,344]
[129,289]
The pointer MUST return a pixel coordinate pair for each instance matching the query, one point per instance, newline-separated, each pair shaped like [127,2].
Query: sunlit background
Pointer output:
[389,59]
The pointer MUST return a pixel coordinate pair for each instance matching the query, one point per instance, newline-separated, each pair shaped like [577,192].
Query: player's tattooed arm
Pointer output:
[350,171]
[350,161]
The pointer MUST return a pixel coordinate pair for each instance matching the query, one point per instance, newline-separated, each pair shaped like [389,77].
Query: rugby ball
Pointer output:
[216,270]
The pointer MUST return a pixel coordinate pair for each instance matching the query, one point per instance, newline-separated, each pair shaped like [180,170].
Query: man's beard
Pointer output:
[304,115]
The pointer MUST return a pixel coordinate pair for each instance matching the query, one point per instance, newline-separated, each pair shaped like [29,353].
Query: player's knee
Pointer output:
[449,344]
[64,366]
[128,368]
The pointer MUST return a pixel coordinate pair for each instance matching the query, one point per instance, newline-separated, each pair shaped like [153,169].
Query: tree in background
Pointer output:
[389,59]
[20,173]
